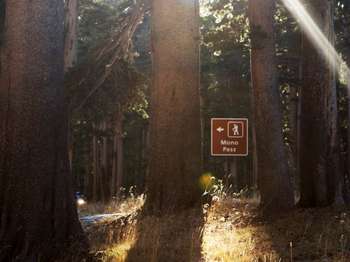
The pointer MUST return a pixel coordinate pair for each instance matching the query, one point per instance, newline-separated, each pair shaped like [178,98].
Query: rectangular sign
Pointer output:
[229,136]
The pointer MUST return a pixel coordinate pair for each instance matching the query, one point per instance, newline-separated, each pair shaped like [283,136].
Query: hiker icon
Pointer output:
[235,129]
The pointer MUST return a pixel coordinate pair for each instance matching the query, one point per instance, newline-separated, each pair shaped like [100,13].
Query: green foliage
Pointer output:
[97,20]
[101,28]
[225,62]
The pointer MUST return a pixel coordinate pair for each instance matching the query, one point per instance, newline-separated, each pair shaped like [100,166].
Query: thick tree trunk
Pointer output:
[37,210]
[273,180]
[175,165]
[318,124]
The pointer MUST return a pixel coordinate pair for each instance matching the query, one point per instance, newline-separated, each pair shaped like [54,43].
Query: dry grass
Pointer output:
[230,230]
[123,206]
[235,232]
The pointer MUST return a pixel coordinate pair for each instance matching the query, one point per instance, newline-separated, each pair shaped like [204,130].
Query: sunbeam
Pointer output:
[315,35]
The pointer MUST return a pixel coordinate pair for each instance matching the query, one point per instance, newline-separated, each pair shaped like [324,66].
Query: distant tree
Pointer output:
[117,161]
[175,138]
[38,215]
[318,124]
[273,179]
[71,34]
[70,54]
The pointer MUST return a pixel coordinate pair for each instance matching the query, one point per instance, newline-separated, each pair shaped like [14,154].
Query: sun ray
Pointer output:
[313,31]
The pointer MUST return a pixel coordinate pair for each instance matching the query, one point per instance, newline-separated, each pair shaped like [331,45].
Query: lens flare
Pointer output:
[206,181]
[316,36]
[81,202]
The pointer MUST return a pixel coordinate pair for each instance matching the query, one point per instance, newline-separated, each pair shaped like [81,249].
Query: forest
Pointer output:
[174,130]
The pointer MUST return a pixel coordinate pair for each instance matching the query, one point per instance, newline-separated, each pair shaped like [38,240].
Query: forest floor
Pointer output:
[228,230]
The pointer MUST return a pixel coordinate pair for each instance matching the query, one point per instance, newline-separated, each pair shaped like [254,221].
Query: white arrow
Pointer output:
[220,129]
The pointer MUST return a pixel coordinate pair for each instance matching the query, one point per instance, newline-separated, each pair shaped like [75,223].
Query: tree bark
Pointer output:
[273,178]
[175,165]
[318,123]
[37,209]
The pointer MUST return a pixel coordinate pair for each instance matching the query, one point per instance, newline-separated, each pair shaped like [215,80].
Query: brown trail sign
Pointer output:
[229,136]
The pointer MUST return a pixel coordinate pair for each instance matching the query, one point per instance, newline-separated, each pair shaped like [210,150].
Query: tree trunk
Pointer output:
[117,168]
[254,153]
[70,57]
[175,165]
[297,141]
[146,151]
[95,168]
[119,182]
[2,25]
[104,162]
[346,161]
[37,210]
[226,171]
[346,180]
[318,123]
[273,180]
[234,175]
[336,178]
[71,34]
[293,133]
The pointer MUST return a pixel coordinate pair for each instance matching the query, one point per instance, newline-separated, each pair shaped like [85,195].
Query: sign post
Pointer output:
[229,136]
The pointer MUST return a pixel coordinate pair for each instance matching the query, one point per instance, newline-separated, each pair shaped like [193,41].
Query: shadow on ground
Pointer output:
[320,234]
[172,238]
